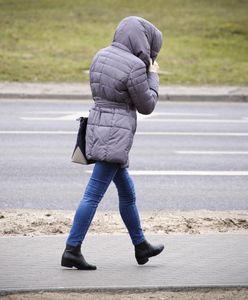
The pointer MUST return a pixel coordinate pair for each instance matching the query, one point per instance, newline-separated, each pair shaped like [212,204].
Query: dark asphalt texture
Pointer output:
[36,171]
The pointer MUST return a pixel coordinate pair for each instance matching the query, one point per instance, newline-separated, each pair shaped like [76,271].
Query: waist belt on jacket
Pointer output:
[111,104]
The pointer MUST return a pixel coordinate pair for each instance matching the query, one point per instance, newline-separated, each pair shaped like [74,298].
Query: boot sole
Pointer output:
[68,264]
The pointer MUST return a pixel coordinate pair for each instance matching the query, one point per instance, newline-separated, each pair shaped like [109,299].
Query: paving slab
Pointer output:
[82,91]
[188,261]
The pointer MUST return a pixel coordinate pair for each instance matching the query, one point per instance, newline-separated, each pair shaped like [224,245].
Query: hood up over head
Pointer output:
[140,36]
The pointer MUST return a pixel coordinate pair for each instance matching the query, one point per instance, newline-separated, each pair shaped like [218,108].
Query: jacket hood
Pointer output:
[140,36]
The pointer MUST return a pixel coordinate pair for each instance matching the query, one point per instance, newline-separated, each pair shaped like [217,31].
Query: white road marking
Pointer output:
[181,114]
[58,118]
[141,118]
[196,120]
[52,112]
[149,133]
[183,173]
[67,112]
[72,115]
[36,132]
[213,152]
[155,114]
[189,133]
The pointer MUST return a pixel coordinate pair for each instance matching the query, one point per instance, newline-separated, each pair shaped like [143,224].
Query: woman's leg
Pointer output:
[101,177]
[127,205]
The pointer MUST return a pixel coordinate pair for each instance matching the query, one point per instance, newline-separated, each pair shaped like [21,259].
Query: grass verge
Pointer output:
[205,41]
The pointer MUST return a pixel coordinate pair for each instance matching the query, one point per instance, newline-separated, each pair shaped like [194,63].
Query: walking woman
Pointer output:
[123,79]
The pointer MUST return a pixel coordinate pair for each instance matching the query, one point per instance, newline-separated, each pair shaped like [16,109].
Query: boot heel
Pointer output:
[66,263]
[142,261]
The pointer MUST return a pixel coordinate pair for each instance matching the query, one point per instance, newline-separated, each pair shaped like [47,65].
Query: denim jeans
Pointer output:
[103,174]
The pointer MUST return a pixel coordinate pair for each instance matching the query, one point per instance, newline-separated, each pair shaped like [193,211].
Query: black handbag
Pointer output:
[78,155]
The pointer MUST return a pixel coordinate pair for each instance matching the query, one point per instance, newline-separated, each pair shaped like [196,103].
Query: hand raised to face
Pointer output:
[154,67]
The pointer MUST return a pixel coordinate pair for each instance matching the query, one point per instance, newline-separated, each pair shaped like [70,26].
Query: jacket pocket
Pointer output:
[94,116]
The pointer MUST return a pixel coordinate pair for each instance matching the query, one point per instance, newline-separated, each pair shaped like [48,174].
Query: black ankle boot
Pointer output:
[72,257]
[145,250]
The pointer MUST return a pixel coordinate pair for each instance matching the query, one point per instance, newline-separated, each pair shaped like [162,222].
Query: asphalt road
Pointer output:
[186,155]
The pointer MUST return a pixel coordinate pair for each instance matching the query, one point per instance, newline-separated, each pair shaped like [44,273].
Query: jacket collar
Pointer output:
[121,46]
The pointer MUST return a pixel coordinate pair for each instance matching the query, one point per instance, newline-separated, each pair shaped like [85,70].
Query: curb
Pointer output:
[78,91]
[162,97]
[121,289]
[45,96]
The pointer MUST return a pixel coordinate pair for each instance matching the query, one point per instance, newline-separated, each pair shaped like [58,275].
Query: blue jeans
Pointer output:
[101,178]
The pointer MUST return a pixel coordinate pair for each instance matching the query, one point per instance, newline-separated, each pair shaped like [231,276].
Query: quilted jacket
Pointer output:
[121,84]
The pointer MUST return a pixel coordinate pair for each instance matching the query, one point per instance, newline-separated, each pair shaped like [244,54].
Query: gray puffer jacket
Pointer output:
[121,84]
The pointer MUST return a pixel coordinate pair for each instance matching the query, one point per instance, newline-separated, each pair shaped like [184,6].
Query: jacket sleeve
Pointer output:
[143,89]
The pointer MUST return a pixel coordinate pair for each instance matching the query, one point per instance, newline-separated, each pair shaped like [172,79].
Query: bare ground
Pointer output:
[50,222]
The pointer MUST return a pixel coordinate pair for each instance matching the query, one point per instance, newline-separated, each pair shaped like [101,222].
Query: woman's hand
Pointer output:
[154,67]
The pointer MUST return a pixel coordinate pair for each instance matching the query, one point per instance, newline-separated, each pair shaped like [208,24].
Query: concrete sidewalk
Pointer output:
[13,90]
[188,261]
